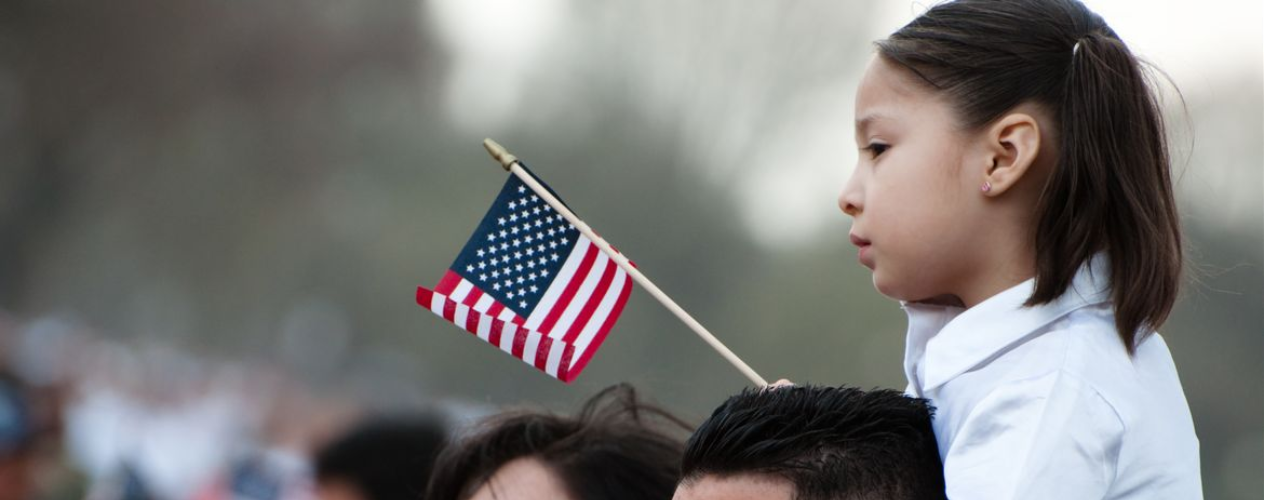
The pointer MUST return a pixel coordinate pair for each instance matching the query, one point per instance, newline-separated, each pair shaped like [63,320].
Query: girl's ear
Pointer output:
[1011,144]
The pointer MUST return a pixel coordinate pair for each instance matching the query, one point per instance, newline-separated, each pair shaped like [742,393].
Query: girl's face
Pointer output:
[913,194]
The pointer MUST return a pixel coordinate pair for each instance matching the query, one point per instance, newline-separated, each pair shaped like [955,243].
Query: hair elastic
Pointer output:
[1076,48]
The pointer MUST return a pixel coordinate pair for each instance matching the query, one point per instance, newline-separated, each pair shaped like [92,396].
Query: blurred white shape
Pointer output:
[493,43]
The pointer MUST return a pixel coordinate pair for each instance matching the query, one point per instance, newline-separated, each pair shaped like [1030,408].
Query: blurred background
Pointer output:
[213,216]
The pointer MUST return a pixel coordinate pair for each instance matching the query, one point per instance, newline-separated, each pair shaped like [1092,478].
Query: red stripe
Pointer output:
[473,296]
[518,320]
[493,338]
[541,360]
[519,342]
[449,311]
[564,367]
[448,284]
[495,309]
[601,334]
[423,297]
[599,293]
[472,318]
[569,293]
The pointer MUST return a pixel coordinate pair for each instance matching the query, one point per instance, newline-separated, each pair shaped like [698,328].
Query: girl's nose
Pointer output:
[849,200]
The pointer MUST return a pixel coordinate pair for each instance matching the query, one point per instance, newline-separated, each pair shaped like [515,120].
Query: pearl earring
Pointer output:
[987,187]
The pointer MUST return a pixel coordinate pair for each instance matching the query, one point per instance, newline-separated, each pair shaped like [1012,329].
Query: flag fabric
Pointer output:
[531,284]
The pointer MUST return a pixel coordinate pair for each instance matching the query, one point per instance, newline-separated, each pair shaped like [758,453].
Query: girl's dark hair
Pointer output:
[1111,190]
[616,448]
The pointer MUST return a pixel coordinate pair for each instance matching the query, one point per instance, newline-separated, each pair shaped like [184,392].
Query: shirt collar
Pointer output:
[944,342]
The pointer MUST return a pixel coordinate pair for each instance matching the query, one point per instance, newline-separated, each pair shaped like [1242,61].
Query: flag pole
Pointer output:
[511,164]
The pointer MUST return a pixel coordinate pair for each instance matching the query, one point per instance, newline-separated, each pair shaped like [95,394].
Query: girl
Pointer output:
[1013,193]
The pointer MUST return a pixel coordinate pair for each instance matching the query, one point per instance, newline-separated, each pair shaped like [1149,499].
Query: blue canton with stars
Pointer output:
[518,249]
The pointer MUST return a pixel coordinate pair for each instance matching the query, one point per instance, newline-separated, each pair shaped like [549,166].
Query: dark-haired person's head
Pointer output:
[814,443]
[615,448]
[384,458]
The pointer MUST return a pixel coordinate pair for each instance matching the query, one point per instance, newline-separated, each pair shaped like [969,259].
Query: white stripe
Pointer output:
[484,303]
[558,285]
[555,357]
[436,303]
[507,337]
[582,297]
[462,290]
[506,315]
[603,311]
[461,316]
[528,350]
[484,327]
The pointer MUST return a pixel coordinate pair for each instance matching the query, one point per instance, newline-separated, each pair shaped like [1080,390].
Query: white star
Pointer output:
[508,283]
[504,246]
[517,243]
[528,239]
[513,217]
[544,273]
[495,273]
[558,217]
[530,251]
[539,236]
[535,289]
[481,253]
[543,261]
[511,294]
[536,210]
[554,257]
[469,269]
[551,231]
[503,233]
[482,265]
[572,226]
[501,221]
[491,237]
[513,205]
[552,244]
[522,202]
[496,286]
[494,261]
[540,248]
[521,280]
[522,189]
[491,249]
[531,276]
[524,214]
[518,267]
[517,255]
[535,198]
[514,230]
[531,264]
[565,241]
[482,277]
[539,223]
[522,305]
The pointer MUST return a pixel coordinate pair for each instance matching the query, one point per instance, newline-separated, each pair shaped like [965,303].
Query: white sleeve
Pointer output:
[1047,437]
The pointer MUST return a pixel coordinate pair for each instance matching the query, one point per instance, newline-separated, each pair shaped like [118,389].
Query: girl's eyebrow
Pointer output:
[863,123]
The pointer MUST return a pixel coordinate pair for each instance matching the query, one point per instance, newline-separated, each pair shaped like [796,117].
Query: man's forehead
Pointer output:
[735,487]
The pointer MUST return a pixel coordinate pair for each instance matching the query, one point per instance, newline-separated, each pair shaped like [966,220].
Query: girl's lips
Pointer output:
[863,245]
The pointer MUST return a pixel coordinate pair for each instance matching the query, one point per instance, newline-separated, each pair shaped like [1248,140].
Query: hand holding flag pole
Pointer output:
[511,164]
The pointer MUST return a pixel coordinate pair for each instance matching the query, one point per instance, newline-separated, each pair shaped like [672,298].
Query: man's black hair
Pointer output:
[829,443]
[385,458]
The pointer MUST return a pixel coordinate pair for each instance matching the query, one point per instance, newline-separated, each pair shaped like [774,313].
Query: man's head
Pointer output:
[380,458]
[814,443]
[615,448]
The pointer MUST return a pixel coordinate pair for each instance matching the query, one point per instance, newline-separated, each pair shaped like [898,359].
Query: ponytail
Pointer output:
[1111,190]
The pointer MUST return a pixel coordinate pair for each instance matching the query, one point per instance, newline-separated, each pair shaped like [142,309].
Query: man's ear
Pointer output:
[1011,145]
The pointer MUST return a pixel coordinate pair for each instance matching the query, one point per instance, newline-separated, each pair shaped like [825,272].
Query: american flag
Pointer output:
[531,284]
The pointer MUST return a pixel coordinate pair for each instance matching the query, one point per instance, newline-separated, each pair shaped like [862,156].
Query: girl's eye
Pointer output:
[876,148]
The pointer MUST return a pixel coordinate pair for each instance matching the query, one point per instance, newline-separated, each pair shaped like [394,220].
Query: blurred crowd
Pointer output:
[83,415]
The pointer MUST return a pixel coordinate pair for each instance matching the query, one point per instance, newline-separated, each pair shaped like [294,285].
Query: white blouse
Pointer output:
[1044,402]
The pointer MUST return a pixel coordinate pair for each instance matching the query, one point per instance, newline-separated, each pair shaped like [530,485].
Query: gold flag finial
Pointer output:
[498,152]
